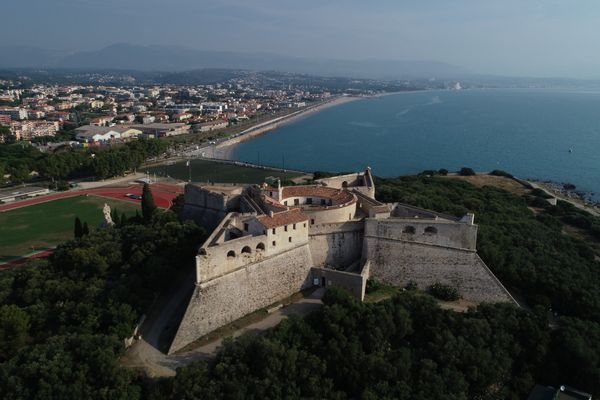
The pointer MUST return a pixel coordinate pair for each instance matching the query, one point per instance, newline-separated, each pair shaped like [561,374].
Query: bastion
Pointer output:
[269,242]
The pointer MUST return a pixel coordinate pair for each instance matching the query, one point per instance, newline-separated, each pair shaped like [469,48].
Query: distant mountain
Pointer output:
[29,57]
[176,59]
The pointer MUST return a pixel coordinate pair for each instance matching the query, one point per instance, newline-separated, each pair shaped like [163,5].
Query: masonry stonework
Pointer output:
[222,300]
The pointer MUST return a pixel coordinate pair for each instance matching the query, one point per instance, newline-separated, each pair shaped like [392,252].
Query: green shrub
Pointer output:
[464,171]
[444,292]
[499,172]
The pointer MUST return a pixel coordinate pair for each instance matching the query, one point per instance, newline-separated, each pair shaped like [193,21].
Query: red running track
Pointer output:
[163,195]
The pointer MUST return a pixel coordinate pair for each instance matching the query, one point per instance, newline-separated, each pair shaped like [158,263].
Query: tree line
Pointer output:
[19,160]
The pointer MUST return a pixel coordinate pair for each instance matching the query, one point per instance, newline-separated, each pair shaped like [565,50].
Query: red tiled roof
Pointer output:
[282,218]
[338,196]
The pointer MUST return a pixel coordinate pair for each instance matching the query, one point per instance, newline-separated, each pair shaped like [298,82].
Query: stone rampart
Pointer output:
[437,232]
[337,244]
[354,283]
[397,263]
[230,297]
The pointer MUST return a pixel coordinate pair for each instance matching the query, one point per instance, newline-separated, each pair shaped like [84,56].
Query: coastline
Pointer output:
[224,150]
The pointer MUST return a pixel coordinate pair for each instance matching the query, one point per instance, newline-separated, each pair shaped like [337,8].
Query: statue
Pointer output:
[107,217]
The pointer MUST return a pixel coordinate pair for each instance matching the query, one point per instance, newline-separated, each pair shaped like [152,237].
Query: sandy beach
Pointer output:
[224,149]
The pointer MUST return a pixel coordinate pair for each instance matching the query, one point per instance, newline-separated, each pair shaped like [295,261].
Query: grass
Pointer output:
[45,225]
[211,171]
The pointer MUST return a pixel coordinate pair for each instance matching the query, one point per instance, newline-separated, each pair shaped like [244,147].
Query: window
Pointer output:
[294,227]
[273,243]
[285,203]
[260,247]
[309,200]
[285,228]
[273,231]
[290,239]
[296,202]
[247,250]
[245,226]
[322,202]
[305,224]
[231,254]
[409,229]
[312,221]
[430,230]
[271,194]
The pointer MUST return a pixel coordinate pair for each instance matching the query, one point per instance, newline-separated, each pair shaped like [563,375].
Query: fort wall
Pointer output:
[230,297]
[397,263]
[437,232]
[336,244]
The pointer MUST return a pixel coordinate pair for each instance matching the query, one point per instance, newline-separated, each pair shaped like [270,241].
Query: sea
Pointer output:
[539,134]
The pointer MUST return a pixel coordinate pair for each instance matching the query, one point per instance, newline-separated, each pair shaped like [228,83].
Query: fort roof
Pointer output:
[337,195]
[282,218]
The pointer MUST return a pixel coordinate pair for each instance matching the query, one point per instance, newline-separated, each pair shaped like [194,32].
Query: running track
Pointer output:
[163,195]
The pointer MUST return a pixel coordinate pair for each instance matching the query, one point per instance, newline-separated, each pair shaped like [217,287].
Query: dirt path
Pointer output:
[154,363]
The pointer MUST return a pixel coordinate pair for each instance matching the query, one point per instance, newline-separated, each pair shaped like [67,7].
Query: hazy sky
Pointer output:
[507,37]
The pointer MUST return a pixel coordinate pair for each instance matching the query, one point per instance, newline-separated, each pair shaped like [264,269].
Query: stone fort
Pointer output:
[270,242]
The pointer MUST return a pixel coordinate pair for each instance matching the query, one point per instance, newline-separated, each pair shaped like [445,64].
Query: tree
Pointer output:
[86,229]
[14,326]
[465,171]
[148,205]
[78,229]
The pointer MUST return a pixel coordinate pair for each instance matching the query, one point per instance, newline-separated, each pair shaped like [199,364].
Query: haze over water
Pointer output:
[525,132]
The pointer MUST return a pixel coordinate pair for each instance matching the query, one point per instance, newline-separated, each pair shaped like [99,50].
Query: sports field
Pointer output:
[39,226]
[211,171]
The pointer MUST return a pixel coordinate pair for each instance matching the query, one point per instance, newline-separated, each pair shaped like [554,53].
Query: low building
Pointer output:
[210,126]
[213,107]
[157,130]
[14,194]
[101,134]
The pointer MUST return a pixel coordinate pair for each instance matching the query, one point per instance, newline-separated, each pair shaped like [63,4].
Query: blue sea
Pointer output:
[526,132]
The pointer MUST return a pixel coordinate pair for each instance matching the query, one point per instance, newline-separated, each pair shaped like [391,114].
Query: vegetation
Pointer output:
[63,320]
[148,205]
[444,292]
[464,171]
[20,159]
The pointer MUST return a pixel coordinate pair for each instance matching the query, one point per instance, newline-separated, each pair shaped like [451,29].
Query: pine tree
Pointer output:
[148,205]
[78,229]
[86,229]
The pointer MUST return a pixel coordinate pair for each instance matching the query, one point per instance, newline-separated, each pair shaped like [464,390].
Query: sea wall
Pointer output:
[222,300]
[397,263]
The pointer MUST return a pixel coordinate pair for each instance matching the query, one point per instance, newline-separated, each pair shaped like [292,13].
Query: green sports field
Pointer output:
[44,225]
[211,171]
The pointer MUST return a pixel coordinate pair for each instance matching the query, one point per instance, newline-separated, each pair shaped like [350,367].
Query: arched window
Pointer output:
[345,184]
[260,247]
[231,254]
[247,250]
[409,229]
[430,230]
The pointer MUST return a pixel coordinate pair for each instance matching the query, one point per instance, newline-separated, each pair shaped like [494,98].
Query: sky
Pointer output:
[542,38]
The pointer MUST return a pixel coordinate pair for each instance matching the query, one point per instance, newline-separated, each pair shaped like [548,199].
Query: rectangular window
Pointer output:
[285,228]
[294,226]
[312,221]
[273,231]
[309,200]
[305,224]
[273,243]
[245,226]
[290,239]
[285,203]
[322,202]
[296,202]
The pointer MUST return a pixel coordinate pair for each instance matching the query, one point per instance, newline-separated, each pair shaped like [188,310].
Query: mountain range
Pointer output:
[177,58]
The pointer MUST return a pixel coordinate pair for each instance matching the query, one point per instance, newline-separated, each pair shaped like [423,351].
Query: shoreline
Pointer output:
[224,149]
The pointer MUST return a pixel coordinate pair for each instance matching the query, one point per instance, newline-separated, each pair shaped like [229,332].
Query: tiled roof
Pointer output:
[338,196]
[282,218]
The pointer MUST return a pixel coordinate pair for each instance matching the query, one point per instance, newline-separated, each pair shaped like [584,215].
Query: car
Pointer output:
[133,196]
